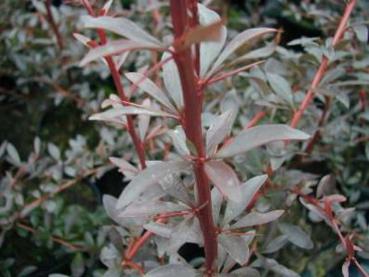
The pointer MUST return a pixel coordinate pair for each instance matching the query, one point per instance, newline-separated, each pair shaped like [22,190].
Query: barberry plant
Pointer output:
[192,188]
[208,170]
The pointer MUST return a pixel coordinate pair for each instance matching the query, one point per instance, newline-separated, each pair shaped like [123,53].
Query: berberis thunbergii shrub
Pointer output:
[242,154]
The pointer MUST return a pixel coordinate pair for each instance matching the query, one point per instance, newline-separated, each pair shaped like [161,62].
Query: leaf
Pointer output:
[82,39]
[179,141]
[244,271]
[257,53]
[159,229]
[111,114]
[188,231]
[77,265]
[146,209]
[172,80]
[151,88]
[211,32]
[259,135]
[345,268]
[281,87]
[120,26]
[326,186]
[171,270]
[53,151]
[296,235]
[236,247]
[274,266]
[209,50]
[219,130]
[110,256]
[241,39]
[361,32]
[144,120]
[248,191]
[224,178]
[36,146]
[276,244]
[216,202]
[13,154]
[150,176]
[109,203]
[256,218]
[116,47]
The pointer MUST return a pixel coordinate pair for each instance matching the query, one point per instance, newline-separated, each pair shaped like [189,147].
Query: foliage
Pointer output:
[240,140]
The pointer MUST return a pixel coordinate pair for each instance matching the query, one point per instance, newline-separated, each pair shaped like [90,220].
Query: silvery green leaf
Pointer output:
[296,235]
[36,145]
[256,218]
[276,244]
[149,208]
[53,151]
[109,203]
[148,177]
[235,246]
[77,265]
[13,154]
[144,120]
[151,88]
[345,268]
[326,186]
[159,229]
[172,80]
[361,32]
[110,256]
[125,167]
[171,270]
[121,26]
[258,53]
[209,50]
[115,271]
[274,266]
[107,6]
[187,231]
[281,87]
[257,136]
[216,202]
[244,271]
[113,101]
[178,137]
[219,130]
[116,47]
[111,114]
[241,39]
[248,191]
[224,178]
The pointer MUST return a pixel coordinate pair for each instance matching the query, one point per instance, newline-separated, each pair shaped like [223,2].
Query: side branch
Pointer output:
[323,65]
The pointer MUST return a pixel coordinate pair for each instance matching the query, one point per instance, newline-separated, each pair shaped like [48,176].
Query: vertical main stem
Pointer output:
[193,100]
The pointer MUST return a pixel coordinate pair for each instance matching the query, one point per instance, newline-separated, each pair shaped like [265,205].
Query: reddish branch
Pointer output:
[193,100]
[139,146]
[54,27]
[323,65]
[119,86]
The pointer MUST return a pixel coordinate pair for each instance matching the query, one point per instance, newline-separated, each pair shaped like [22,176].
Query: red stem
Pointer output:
[259,116]
[53,25]
[118,85]
[193,99]
[323,65]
